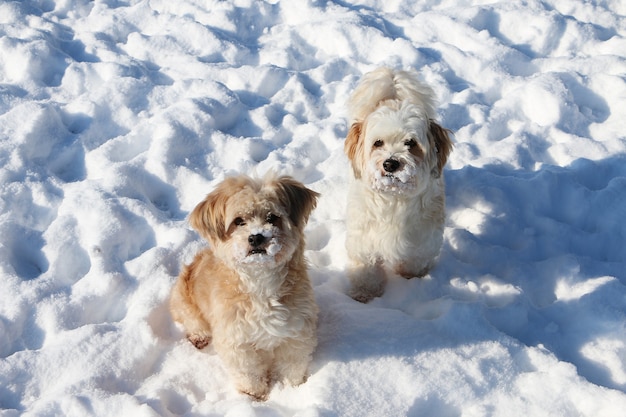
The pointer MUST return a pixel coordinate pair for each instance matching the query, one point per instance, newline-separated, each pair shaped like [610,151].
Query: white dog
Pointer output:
[396,203]
[249,292]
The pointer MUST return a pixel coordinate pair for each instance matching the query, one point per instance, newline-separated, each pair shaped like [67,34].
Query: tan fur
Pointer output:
[258,310]
[353,146]
[442,142]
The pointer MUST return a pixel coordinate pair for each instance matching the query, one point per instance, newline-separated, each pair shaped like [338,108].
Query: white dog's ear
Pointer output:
[208,217]
[440,139]
[297,199]
[353,147]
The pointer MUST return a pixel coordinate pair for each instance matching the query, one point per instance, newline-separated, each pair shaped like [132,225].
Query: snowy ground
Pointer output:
[117,117]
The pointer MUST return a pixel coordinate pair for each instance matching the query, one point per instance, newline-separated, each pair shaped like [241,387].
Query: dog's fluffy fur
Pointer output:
[396,201]
[249,292]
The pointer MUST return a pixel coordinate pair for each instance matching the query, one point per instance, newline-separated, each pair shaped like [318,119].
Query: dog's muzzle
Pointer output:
[255,241]
[391,165]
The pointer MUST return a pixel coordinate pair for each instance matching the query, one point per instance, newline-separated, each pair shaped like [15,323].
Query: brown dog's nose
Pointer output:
[256,240]
[390,165]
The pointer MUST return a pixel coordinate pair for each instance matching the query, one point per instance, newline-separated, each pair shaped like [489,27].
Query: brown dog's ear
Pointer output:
[353,147]
[299,200]
[208,217]
[440,137]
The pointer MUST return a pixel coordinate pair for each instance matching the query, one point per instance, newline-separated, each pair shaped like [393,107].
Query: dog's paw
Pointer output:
[366,282]
[294,376]
[294,382]
[258,390]
[255,395]
[407,274]
[363,295]
[199,341]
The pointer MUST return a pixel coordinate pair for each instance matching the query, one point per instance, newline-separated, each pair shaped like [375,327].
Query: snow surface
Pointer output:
[118,116]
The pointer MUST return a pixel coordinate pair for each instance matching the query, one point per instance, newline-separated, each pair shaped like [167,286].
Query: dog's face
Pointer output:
[397,149]
[252,223]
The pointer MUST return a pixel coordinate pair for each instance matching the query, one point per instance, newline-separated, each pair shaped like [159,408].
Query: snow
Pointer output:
[118,116]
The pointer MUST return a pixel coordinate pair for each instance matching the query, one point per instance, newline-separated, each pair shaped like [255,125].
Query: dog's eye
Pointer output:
[411,143]
[272,219]
[239,221]
[378,143]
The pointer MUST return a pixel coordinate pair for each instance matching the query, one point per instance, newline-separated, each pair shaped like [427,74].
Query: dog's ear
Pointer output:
[208,217]
[440,138]
[353,147]
[297,199]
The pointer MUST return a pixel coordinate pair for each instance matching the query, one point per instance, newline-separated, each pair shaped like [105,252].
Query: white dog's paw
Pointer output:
[414,272]
[258,388]
[365,291]
[365,295]
[366,282]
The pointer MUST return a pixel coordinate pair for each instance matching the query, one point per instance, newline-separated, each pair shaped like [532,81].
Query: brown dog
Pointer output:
[250,292]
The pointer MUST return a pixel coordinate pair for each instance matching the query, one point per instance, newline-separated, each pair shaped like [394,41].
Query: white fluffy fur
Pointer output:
[249,293]
[395,216]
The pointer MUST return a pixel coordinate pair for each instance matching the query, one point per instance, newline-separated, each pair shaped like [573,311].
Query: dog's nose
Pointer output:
[256,240]
[390,165]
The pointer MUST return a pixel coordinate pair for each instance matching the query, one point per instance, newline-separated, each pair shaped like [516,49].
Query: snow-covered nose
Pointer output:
[390,165]
[256,240]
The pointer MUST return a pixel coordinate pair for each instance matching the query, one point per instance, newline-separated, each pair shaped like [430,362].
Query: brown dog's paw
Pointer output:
[296,380]
[257,396]
[199,342]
